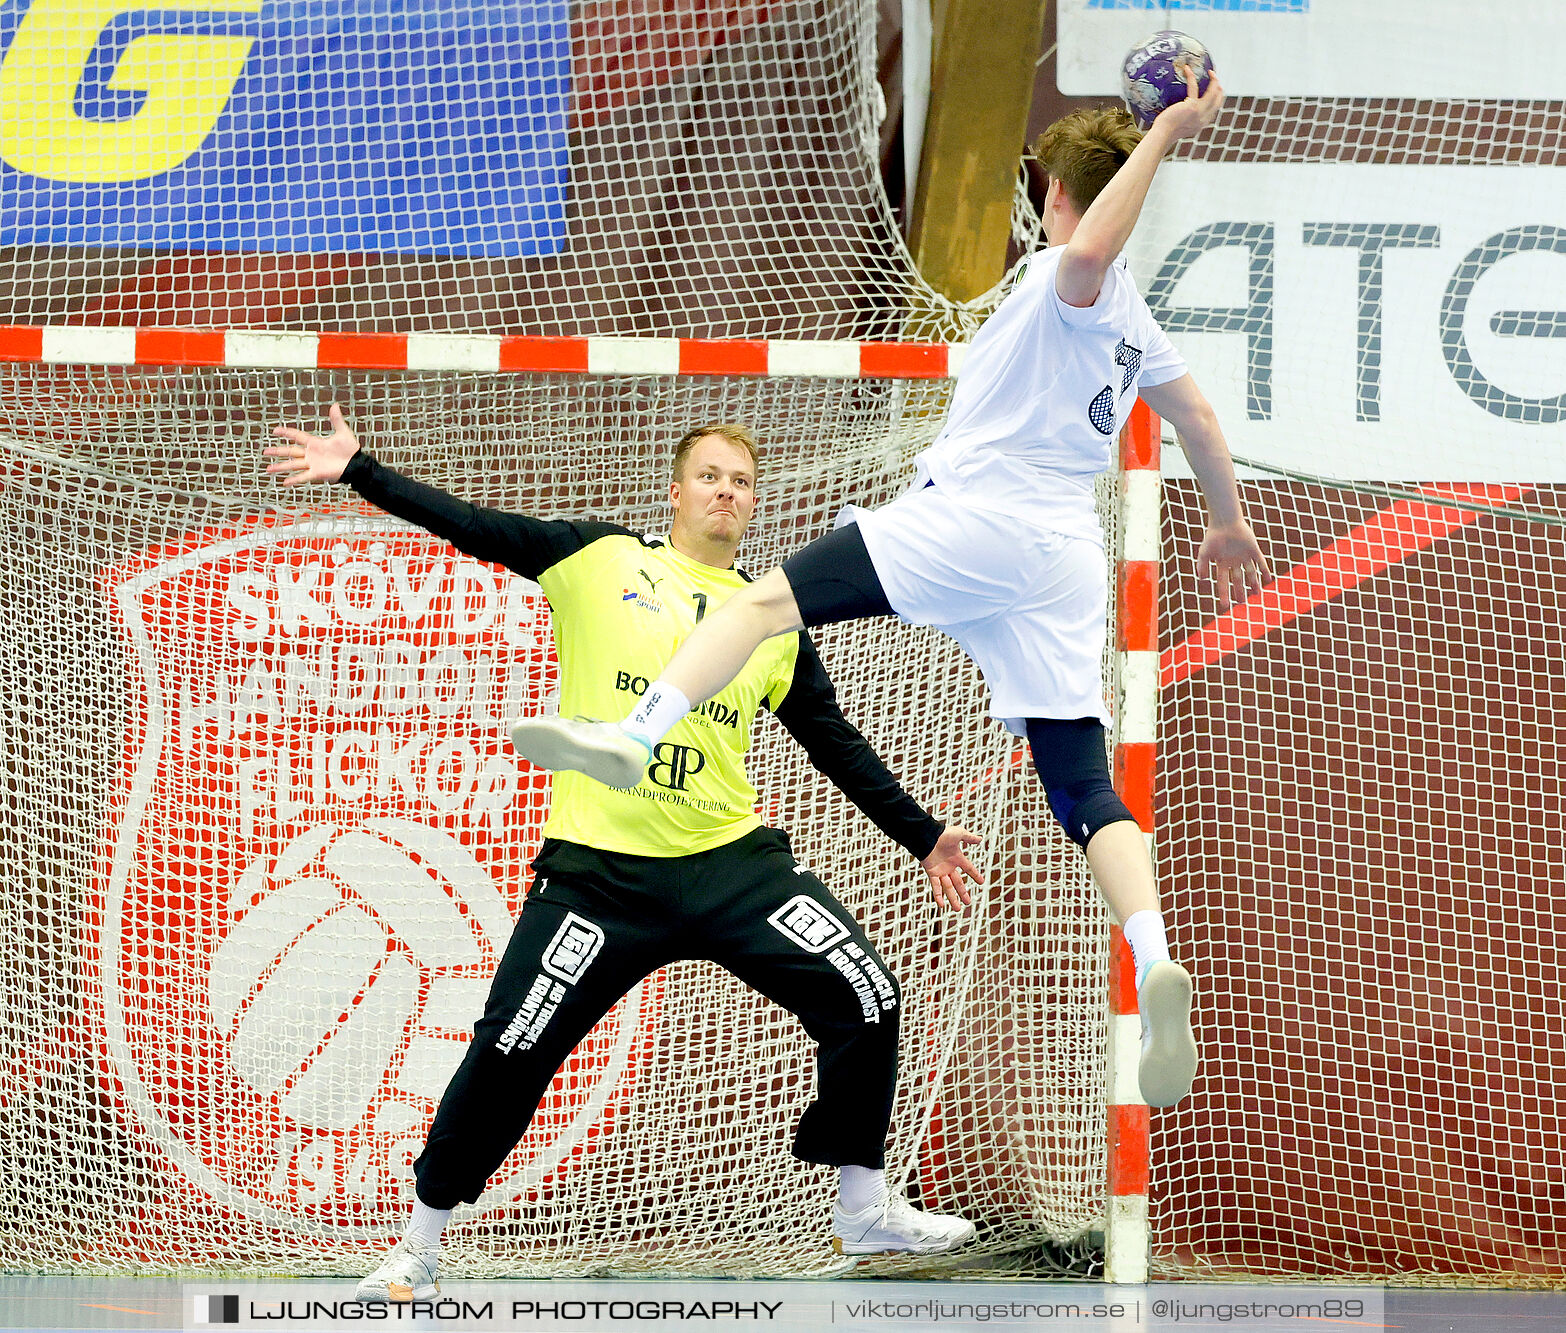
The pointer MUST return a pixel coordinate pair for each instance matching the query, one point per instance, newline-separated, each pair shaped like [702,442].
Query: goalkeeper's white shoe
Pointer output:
[406,1274]
[895,1226]
[1168,1063]
[599,749]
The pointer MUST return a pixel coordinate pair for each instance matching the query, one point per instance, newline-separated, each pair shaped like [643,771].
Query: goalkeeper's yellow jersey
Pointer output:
[620,605]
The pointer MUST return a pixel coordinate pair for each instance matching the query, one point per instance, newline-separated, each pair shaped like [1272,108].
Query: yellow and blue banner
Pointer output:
[355,126]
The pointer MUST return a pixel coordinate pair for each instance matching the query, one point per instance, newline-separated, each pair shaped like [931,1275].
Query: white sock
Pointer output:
[659,711]
[425,1226]
[860,1186]
[1144,932]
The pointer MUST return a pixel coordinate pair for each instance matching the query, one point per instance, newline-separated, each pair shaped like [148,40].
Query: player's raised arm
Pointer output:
[1230,555]
[521,543]
[1105,227]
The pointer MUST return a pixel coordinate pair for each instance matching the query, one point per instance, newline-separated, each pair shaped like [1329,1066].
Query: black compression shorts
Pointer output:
[833,579]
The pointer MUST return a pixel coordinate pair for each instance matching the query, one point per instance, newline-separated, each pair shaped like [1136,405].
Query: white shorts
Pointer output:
[1027,605]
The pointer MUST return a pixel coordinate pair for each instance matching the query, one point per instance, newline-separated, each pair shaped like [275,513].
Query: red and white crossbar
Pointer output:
[495,353]
[1126,1229]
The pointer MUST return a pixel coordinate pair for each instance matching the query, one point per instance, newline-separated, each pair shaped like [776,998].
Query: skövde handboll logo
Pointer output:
[314,853]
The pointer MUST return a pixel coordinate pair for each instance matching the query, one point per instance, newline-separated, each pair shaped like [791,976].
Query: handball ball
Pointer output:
[1153,75]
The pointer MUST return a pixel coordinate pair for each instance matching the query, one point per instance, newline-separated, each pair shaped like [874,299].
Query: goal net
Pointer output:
[262,836]
[264,839]
[1359,815]
[551,167]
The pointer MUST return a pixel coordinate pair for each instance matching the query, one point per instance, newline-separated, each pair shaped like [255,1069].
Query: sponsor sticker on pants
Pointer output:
[803,920]
[573,948]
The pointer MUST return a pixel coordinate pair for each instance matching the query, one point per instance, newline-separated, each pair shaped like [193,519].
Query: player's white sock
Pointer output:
[1144,932]
[660,710]
[860,1186]
[425,1226]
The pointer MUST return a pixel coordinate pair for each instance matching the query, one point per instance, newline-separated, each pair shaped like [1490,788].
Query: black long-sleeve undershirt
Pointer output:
[527,546]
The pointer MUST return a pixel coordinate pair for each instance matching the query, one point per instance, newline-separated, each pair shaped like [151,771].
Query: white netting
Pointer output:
[1360,834]
[1359,823]
[245,734]
[605,167]
[1358,831]
[211,751]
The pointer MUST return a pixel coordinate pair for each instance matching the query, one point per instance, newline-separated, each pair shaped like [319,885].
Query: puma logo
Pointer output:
[651,581]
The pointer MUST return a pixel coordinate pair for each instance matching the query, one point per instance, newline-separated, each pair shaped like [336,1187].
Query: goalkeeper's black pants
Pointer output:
[595,923]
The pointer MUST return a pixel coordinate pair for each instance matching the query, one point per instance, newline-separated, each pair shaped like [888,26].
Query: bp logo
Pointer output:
[314,860]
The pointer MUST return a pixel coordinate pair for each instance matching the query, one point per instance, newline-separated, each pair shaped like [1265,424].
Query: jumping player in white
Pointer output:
[998,544]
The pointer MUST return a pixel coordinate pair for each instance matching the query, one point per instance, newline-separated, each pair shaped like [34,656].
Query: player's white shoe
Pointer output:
[599,749]
[1168,1063]
[895,1226]
[406,1274]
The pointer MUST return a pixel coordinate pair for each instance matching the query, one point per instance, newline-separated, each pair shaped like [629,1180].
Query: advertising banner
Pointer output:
[286,125]
[1369,321]
[314,857]
[1441,49]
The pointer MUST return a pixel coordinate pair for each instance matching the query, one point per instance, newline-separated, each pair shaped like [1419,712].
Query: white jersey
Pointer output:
[1042,396]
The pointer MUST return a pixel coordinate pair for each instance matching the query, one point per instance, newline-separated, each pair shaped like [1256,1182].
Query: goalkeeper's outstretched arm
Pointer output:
[520,542]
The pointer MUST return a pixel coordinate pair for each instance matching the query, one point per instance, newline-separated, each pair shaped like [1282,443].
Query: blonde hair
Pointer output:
[730,431]
[1085,149]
